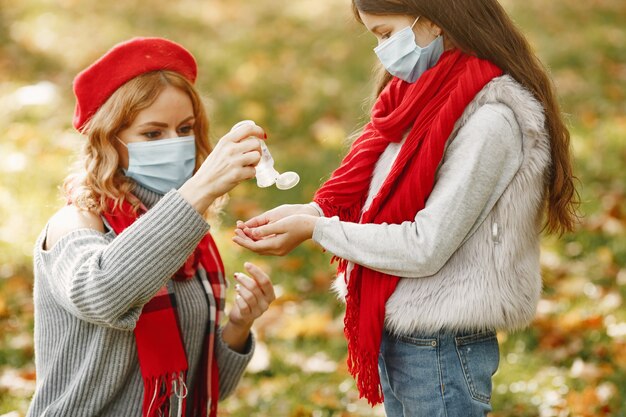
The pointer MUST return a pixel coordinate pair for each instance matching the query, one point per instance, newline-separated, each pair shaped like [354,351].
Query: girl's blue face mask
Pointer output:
[403,58]
[161,165]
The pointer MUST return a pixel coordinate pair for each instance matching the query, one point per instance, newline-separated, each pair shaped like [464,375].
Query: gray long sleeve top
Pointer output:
[89,291]
[477,167]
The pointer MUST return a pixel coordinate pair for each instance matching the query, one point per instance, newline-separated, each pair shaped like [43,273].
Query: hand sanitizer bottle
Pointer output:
[266,175]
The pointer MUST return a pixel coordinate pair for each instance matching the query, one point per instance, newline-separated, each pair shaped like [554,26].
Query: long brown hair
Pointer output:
[98,176]
[483,28]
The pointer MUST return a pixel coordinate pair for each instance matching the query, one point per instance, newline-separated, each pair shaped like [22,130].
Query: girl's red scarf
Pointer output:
[160,347]
[427,110]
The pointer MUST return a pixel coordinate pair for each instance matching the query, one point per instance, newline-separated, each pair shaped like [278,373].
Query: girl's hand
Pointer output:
[275,215]
[278,238]
[231,161]
[255,293]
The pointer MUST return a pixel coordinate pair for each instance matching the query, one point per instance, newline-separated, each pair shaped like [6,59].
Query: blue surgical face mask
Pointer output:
[161,165]
[405,59]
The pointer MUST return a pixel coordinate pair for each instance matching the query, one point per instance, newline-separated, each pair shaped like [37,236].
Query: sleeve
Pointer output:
[477,166]
[106,281]
[317,207]
[231,364]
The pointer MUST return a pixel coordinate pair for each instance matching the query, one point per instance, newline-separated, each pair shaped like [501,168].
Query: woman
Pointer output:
[129,284]
[436,211]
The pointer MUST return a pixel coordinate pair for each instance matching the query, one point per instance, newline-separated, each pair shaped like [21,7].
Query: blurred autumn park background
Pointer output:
[301,69]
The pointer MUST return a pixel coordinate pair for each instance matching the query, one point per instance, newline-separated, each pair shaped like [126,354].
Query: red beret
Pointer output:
[125,61]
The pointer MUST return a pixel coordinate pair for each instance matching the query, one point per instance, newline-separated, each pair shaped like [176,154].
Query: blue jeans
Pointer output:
[439,375]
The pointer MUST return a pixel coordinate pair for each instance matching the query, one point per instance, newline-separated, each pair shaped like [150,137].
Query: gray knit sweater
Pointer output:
[89,292]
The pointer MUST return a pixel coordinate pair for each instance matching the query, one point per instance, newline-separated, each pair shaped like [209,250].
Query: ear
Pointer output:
[433,29]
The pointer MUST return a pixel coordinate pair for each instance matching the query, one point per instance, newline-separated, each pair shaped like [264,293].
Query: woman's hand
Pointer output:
[232,161]
[274,215]
[278,238]
[254,295]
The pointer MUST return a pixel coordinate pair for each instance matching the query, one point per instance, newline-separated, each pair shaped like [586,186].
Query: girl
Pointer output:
[436,211]
[129,285]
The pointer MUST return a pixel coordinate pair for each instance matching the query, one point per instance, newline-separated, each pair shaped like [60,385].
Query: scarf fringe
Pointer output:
[160,391]
[364,369]
[362,363]
[205,408]
[348,214]
[205,404]
[199,406]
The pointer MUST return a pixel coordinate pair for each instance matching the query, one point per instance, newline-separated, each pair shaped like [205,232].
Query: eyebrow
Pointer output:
[159,124]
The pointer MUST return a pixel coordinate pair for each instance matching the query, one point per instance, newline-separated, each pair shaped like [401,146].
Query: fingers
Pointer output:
[274,215]
[247,145]
[254,295]
[267,230]
[242,305]
[250,295]
[250,159]
[240,174]
[246,242]
[260,220]
[243,132]
[262,280]
[269,246]
[244,233]
[245,153]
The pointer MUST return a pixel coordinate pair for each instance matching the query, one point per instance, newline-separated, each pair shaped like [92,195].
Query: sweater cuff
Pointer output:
[196,224]
[318,208]
[231,364]
[321,228]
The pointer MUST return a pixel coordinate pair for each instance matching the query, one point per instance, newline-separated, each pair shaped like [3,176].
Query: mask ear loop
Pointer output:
[413,25]
[121,141]
[418,18]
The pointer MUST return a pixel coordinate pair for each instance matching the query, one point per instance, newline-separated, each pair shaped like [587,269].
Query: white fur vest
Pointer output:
[493,280]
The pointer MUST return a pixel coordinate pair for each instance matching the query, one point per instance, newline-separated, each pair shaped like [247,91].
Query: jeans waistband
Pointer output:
[445,334]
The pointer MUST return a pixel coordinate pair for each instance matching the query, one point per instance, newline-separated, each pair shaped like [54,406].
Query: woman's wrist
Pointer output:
[197,196]
[236,335]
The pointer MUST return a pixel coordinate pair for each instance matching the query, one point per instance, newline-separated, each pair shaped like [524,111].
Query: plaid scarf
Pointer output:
[162,357]
[428,110]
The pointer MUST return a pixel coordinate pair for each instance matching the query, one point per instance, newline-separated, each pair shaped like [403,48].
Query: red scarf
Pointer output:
[428,109]
[160,348]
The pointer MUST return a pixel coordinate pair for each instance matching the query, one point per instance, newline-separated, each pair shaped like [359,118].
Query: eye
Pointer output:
[385,35]
[153,134]
[185,130]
